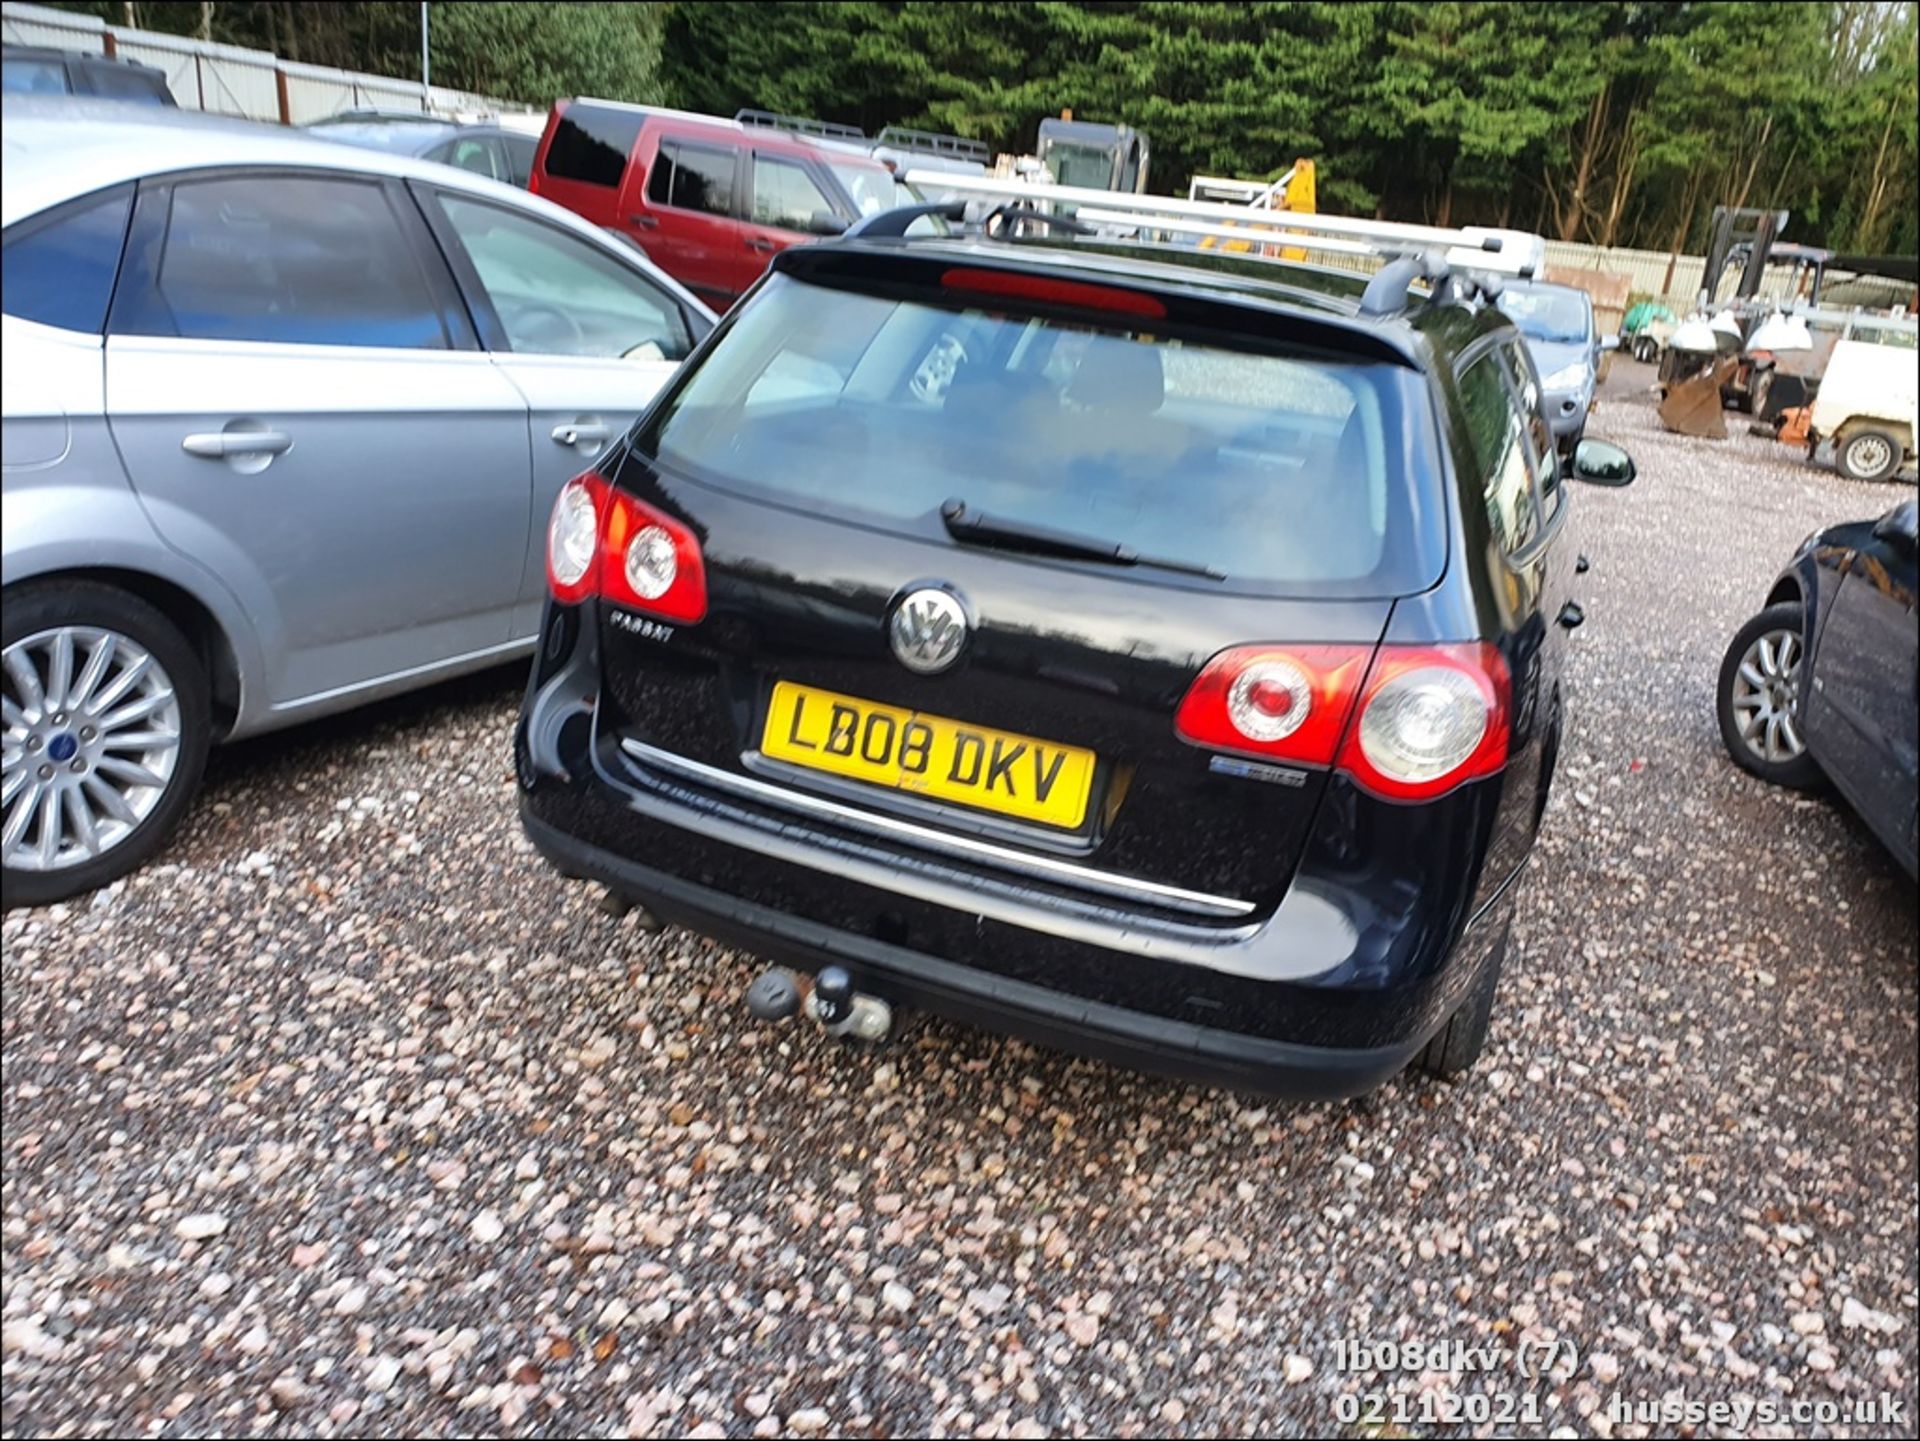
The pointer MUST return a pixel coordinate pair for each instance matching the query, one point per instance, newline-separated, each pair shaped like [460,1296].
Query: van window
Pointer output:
[1280,472]
[784,195]
[60,272]
[1524,376]
[557,295]
[298,260]
[591,144]
[1500,452]
[693,177]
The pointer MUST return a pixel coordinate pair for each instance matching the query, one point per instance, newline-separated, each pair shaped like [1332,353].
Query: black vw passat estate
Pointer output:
[1143,650]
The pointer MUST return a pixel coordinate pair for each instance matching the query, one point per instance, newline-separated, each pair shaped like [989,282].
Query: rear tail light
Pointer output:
[603,542]
[1288,702]
[1431,718]
[1406,723]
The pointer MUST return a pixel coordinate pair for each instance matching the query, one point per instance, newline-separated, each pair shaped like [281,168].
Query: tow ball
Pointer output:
[841,1011]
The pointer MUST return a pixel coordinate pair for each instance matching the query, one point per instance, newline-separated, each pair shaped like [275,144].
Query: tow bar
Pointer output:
[841,1011]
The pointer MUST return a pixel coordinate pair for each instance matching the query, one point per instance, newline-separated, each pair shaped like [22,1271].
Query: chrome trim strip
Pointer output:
[1037,867]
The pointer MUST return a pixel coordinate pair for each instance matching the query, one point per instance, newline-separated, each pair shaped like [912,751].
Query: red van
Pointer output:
[709,200]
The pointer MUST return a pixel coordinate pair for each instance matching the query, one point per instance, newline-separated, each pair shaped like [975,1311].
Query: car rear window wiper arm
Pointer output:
[973,528]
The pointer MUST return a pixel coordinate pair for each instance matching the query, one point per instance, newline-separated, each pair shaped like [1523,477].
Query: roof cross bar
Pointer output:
[1472,247]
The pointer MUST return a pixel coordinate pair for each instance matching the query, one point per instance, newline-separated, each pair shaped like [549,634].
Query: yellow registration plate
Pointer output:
[929,755]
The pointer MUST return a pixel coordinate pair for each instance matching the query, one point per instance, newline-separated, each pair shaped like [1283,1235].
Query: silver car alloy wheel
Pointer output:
[1869,454]
[1766,697]
[92,738]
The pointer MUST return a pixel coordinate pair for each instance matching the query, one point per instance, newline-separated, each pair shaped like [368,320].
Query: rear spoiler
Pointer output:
[875,263]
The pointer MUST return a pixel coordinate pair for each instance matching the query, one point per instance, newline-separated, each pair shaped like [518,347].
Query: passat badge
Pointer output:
[929,630]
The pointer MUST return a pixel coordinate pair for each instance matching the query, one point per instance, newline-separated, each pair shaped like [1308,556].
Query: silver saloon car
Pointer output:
[283,422]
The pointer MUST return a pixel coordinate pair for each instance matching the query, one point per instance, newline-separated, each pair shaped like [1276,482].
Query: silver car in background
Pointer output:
[283,421]
[1557,321]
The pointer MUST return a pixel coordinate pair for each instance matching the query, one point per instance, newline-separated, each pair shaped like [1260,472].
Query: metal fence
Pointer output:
[1650,273]
[230,80]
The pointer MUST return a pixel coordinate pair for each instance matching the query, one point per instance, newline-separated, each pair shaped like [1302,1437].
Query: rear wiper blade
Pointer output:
[973,528]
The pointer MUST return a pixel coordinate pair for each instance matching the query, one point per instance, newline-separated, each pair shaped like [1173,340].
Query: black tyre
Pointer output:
[1458,1044]
[106,730]
[1868,455]
[1759,698]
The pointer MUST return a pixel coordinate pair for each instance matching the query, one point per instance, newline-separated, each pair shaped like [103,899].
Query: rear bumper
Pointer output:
[1037,1013]
[1325,989]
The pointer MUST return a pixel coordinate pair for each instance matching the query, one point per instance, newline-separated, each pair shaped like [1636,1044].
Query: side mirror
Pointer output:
[1609,342]
[1899,527]
[1598,463]
[825,222]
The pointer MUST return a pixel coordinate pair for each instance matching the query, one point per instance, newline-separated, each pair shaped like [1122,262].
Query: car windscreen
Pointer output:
[1280,472]
[1551,315]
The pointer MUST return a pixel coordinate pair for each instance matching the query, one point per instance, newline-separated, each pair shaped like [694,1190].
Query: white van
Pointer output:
[1868,405]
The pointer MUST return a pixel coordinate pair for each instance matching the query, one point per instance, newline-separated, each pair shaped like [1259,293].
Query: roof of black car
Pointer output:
[1313,289]
[1185,266]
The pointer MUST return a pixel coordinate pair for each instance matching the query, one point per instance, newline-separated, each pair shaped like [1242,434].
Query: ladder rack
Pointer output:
[1508,252]
[802,125]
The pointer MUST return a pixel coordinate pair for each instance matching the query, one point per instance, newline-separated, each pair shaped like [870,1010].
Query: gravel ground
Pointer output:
[352,1117]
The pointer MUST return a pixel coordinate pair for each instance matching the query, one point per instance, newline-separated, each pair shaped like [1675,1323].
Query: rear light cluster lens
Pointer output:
[1406,723]
[573,538]
[1290,702]
[1270,700]
[603,542]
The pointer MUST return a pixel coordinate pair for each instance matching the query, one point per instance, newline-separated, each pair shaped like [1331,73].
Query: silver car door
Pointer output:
[586,334]
[286,383]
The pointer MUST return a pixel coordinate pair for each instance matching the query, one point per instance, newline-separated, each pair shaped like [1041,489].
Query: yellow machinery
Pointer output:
[1293,192]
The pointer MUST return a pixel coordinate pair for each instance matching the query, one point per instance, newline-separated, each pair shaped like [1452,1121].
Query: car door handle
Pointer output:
[760,242]
[1571,616]
[581,432]
[219,444]
[645,222]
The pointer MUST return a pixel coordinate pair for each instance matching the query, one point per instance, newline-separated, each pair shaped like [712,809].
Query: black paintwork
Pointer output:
[1860,686]
[1369,920]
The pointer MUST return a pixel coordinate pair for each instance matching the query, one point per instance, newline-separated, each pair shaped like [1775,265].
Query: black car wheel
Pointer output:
[1761,682]
[1458,1044]
[1869,455]
[106,729]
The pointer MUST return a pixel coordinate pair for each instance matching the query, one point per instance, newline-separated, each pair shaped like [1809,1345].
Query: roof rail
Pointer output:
[801,125]
[929,142]
[1510,252]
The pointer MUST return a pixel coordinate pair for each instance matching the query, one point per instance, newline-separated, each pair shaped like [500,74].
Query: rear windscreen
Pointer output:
[1279,471]
[591,144]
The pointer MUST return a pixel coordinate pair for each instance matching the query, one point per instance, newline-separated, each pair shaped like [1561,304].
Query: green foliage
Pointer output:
[1619,123]
[509,49]
[515,50]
